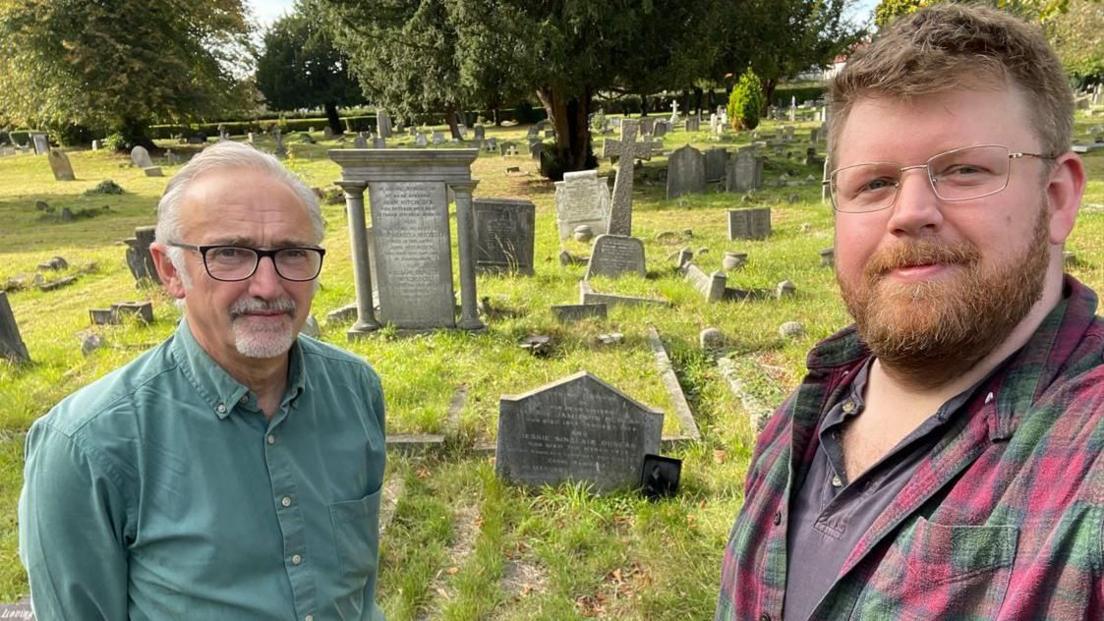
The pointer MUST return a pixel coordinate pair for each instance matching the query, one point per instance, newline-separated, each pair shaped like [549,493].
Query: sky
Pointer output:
[268,11]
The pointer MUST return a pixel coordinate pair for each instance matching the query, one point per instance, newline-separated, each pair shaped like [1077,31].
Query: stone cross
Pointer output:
[628,150]
[674,112]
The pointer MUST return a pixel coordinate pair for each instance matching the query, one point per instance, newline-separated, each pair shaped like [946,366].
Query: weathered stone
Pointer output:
[749,223]
[614,255]
[791,330]
[60,166]
[11,343]
[711,338]
[582,198]
[578,312]
[583,233]
[785,289]
[576,429]
[685,172]
[55,263]
[504,231]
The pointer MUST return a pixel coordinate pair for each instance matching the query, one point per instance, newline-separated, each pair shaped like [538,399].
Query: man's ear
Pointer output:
[170,277]
[1064,189]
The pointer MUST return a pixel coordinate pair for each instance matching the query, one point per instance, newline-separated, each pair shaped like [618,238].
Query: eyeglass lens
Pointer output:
[237,263]
[961,174]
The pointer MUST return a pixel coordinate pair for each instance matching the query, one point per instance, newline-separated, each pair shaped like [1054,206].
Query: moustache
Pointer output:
[921,253]
[257,305]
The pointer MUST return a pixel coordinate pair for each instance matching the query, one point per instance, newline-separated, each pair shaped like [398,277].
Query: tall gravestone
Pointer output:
[716,160]
[141,157]
[60,166]
[504,235]
[685,172]
[614,255]
[11,343]
[408,192]
[693,123]
[578,428]
[383,124]
[582,198]
[41,143]
[628,150]
[280,150]
[749,223]
[744,172]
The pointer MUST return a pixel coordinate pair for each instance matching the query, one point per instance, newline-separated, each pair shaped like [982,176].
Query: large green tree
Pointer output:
[1078,37]
[119,65]
[1040,10]
[299,66]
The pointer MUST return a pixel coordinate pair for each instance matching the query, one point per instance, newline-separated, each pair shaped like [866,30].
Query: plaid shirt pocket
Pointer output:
[936,571]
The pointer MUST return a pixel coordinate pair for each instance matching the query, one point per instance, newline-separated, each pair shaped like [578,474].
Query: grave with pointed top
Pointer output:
[11,343]
[685,172]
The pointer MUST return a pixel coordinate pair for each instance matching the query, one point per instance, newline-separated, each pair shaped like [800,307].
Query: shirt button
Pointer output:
[848,406]
[286,501]
[220,408]
[296,559]
[836,481]
[777,518]
[271,439]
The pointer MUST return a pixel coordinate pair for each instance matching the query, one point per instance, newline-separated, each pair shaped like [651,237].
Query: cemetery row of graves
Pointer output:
[536,340]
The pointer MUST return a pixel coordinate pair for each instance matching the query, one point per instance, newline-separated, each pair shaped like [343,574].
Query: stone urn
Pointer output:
[734,260]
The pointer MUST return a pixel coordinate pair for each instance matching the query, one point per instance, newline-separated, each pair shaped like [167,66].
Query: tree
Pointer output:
[1078,37]
[745,102]
[301,68]
[1035,10]
[119,65]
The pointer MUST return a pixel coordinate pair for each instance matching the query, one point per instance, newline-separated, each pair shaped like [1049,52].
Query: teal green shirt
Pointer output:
[162,492]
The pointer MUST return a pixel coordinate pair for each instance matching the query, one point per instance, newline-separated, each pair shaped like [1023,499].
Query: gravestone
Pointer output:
[647,125]
[361,141]
[438,138]
[141,157]
[379,143]
[383,124]
[327,133]
[11,343]
[582,198]
[578,428]
[504,235]
[628,150]
[744,172]
[749,223]
[60,166]
[138,257]
[693,123]
[674,112]
[420,140]
[716,159]
[41,143]
[479,133]
[536,148]
[712,286]
[614,255]
[280,150]
[408,192]
[685,172]
[660,129]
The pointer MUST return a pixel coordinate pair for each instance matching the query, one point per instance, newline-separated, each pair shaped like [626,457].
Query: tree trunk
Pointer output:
[643,104]
[332,119]
[134,133]
[699,96]
[568,114]
[768,94]
[453,116]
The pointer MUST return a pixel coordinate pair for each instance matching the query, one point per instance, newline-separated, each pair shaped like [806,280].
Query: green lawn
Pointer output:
[461,544]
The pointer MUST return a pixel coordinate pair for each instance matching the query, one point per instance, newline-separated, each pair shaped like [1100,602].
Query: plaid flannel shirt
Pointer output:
[1003,520]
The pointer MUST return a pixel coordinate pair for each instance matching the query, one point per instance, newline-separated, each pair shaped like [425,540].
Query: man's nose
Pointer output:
[916,207]
[265,282]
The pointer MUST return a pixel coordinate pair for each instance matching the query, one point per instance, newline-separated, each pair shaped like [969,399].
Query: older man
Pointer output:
[233,471]
[943,457]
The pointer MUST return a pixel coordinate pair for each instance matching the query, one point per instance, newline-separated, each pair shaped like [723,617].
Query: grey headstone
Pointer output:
[504,235]
[614,255]
[582,198]
[383,124]
[280,150]
[438,138]
[628,151]
[142,310]
[141,157]
[59,164]
[479,133]
[693,124]
[41,143]
[685,172]
[138,257]
[379,143]
[11,343]
[749,223]
[647,125]
[716,160]
[744,172]
[420,140]
[579,312]
[361,141]
[711,286]
[153,171]
[576,429]
[413,254]
[327,133]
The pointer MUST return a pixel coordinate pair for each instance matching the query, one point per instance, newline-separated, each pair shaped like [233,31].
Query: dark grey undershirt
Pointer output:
[829,515]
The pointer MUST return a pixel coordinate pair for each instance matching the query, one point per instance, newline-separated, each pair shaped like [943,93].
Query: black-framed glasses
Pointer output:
[234,263]
[962,174]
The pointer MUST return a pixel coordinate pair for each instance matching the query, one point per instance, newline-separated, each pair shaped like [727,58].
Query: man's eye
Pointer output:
[874,185]
[293,253]
[963,170]
[230,253]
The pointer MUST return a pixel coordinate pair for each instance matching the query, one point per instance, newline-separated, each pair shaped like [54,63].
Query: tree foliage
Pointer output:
[1035,10]
[745,102]
[1078,37]
[299,66]
[118,65]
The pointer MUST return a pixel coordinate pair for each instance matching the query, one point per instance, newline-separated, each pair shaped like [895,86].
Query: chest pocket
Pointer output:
[934,571]
[356,538]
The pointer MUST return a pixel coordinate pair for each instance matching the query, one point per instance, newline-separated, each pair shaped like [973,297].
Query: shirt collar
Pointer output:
[214,385]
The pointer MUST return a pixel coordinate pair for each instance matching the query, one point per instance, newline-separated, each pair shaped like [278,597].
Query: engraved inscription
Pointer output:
[411,234]
[614,255]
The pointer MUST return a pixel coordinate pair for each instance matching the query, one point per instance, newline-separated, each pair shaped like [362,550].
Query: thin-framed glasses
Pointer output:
[234,263]
[962,174]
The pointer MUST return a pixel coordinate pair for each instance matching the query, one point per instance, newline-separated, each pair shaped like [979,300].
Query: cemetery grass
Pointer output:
[460,544]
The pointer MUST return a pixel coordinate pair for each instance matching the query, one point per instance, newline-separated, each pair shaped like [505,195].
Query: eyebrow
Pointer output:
[248,242]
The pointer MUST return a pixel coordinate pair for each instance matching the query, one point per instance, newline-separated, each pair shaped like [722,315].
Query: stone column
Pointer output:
[362,272]
[465,241]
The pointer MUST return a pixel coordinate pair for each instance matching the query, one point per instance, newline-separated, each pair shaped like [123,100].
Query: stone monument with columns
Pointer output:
[408,192]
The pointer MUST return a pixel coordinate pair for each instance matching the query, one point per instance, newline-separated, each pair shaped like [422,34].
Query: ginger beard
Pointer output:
[932,332]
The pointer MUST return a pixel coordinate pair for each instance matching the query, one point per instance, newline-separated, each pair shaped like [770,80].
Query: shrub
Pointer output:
[106,186]
[115,142]
[746,102]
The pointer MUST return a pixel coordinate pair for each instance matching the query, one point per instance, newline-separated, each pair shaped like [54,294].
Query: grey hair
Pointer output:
[221,156]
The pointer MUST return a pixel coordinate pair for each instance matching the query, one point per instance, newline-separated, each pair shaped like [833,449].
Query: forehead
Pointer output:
[883,128]
[246,204]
